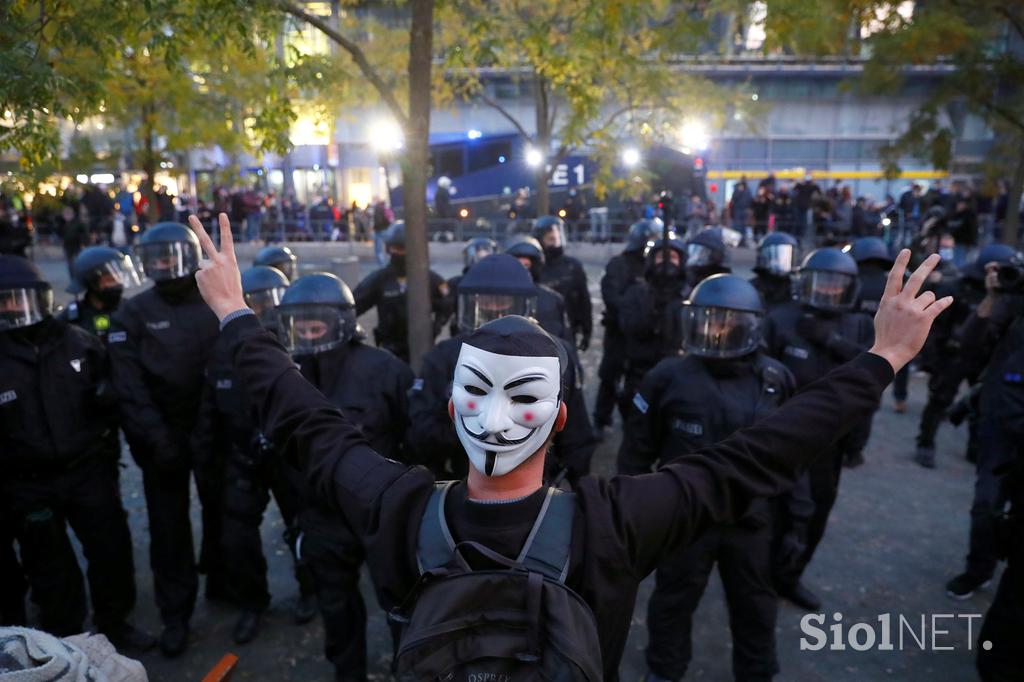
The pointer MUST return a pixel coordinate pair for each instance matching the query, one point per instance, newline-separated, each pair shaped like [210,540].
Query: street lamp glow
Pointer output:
[474,134]
[694,135]
[533,157]
[630,157]
[385,136]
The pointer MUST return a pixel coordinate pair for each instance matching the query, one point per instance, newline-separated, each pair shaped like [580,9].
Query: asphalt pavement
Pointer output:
[896,535]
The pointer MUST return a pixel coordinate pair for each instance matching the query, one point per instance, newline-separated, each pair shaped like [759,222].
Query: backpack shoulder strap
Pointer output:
[435,546]
[547,548]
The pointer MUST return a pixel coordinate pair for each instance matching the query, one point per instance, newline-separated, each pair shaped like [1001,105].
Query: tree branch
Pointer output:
[358,56]
[493,103]
[1014,21]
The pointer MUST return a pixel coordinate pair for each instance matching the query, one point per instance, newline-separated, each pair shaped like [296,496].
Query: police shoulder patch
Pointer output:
[117,337]
[797,352]
[8,397]
[640,403]
[417,385]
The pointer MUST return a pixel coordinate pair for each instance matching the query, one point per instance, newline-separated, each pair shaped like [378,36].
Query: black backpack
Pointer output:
[514,623]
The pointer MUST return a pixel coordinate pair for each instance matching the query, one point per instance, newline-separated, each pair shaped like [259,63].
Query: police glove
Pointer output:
[792,546]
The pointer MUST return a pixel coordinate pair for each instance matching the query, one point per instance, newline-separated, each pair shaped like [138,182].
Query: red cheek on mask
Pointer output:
[471,405]
[528,416]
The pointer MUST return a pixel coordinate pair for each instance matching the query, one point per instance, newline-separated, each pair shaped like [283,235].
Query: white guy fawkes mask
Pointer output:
[505,406]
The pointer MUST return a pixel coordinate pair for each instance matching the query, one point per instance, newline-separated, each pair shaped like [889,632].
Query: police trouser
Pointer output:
[743,555]
[333,555]
[88,498]
[857,438]
[996,448]
[823,474]
[171,551]
[900,383]
[609,372]
[942,391]
[12,577]
[248,483]
[1004,622]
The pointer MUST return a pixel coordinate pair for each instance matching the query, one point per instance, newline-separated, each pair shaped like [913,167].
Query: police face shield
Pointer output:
[288,268]
[168,260]
[479,309]
[117,274]
[711,332]
[475,253]
[263,302]
[24,307]
[776,259]
[310,329]
[833,291]
[698,254]
[552,238]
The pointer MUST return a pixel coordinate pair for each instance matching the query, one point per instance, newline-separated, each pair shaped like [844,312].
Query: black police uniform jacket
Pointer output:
[84,315]
[850,334]
[623,527]
[432,435]
[566,275]
[159,350]
[56,403]
[651,322]
[385,289]
[774,290]
[621,272]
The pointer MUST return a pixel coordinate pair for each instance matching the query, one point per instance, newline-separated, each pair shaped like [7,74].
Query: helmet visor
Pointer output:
[287,267]
[698,254]
[309,329]
[263,302]
[827,290]
[474,253]
[720,332]
[479,309]
[23,307]
[776,259]
[118,273]
[168,260]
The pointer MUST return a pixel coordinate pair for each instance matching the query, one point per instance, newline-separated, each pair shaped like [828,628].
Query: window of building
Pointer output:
[487,155]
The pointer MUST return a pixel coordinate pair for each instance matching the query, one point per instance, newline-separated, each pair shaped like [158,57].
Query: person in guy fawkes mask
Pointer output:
[722,384]
[280,257]
[565,275]
[473,252]
[99,277]
[550,308]
[160,344]
[226,430]
[621,272]
[59,454]
[496,287]
[705,256]
[810,336]
[385,290]
[776,259]
[948,365]
[370,386]
[506,406]
[651,312]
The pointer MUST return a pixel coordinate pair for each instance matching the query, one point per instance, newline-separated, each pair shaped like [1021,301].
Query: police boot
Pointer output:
[174,638]
[800,596]
[247,627]
[305,606]
[925,456]
[126,637]
[852,460]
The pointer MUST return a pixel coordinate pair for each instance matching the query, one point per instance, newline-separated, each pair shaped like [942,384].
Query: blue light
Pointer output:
[501,159]
[474,134]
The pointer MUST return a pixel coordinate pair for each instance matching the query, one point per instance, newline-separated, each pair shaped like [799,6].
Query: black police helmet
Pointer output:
[395,235]
[990,253]
[524,246]
[776,254]
[261,278]
[169,232]
[727,291]
[830,260]
[319,288]
[641,233]
[280,257]
[867,249]
[91,261]
[25,295]
[545,224]
[499,273]
[168,251]
[20,273]
[474,247]
[707,247]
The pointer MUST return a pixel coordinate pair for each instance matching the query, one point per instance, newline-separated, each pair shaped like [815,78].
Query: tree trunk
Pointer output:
[149,165]
[543,194]
[414,171]
[1011,226]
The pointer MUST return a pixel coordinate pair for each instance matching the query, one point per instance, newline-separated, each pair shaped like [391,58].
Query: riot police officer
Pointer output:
[650,313]
[943,354]
[776,258]
[385,290]
[565,275]
[280,257]
[473,252]
[622,271]
[57,416]
[160,343]
[370,386]
[810,336]
[705,256]
[496,287]
[550,309]
[722,384]
[252,471]
[99,275]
